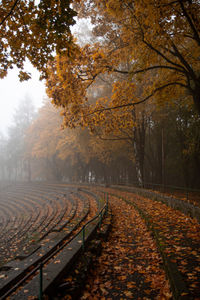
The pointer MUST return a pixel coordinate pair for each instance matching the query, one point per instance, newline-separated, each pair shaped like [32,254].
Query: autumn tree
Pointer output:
[150,44]
[153,47]
[103,104]
[72,154]
[171,148]
[41,141]
[55,152]
[162,36]
[33,30]
[160,39]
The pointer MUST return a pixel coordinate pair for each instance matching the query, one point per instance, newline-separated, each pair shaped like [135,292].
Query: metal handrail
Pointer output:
[100,214]
[82,230]
[39,267]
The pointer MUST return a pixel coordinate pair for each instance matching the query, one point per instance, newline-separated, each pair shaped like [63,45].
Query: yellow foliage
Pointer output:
[149,50]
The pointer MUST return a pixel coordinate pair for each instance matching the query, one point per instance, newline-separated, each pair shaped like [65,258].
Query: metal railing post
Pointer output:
[100,219]
[41,282]
[106,203]
[83,237]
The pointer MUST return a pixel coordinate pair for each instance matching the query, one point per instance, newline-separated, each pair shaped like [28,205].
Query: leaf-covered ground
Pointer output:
[130,266]
[179,237]
[190,197]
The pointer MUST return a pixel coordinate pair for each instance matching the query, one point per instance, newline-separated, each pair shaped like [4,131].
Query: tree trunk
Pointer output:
[196,99]
[137,164]
[139,147]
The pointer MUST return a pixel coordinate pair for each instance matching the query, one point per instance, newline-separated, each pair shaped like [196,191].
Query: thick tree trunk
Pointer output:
[196,98]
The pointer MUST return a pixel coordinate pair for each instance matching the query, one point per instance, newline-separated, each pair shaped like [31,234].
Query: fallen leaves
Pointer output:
[130,262]
[180,236]
[128,294]
[57,261]
[130,285]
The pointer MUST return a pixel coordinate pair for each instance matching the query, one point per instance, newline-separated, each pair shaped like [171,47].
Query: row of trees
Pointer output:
[38,148]
[142,67]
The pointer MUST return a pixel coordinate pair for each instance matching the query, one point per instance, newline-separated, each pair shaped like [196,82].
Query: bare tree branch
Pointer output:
[162,55]
[139,102]
[183,61]
[113,139]
[10,12]
[196,35]
[182,70]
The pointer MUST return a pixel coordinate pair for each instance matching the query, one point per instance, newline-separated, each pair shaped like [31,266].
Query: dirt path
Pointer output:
[130,266]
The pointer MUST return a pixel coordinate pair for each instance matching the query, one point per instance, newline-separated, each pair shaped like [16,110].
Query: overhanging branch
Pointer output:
[138,102]
[10,12]
[148,69]
[192,26]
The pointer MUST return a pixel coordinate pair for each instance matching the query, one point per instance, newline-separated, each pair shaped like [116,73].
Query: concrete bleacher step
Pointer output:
[57,267]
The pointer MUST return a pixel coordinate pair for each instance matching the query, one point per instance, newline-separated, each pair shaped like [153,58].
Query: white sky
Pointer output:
[12,91]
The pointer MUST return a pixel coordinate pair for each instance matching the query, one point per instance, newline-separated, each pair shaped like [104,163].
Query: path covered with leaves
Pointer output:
[130,266]
[179,236]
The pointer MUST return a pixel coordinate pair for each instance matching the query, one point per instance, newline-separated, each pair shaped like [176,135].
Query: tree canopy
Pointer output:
[33,30]
[153,42]
[147,52]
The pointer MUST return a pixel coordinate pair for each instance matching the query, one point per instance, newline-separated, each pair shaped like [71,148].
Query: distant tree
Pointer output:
[3,157]
[18,164]
[42,141]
